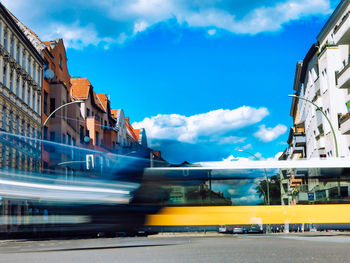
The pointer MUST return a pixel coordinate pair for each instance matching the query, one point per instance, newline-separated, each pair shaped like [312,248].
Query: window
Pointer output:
[23,91]
[81,134]
[52,106]
[28,95]
[34,71]
[324,80]
[60,61]
[38,106]
[4,121]
[30,67]
[45,133]
[4,72]
[39,76]
[6,40]
[17,86]
[34,101]
[87,112]
[18,53]
[46,96]
[11,81]
[12,47]
[52,136]
[24,59]
[96,138]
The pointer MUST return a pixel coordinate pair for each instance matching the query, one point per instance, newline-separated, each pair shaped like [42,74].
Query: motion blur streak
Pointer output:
[56,219]
[32,187]
[244,215]
[65,188]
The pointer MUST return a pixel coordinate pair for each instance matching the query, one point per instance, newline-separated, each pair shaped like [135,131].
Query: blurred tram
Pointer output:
[251,195]
[51,189]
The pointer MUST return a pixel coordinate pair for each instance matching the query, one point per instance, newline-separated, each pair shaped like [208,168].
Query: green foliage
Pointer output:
[274,187]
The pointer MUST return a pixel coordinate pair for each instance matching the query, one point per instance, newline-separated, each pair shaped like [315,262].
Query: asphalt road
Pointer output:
[228,248]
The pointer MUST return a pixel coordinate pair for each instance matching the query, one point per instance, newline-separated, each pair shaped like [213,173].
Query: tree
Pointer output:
[274,187]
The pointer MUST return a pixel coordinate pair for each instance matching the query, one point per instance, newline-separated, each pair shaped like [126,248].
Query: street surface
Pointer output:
[224,248]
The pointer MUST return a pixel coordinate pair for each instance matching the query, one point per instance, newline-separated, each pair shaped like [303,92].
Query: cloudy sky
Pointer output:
[204,77]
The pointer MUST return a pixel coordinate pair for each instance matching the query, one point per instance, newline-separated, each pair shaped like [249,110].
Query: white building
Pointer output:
[323,78]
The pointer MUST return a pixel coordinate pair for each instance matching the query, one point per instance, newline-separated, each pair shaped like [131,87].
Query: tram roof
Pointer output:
[274,164]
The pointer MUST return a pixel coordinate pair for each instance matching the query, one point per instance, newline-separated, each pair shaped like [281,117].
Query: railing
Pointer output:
[343,20]
[339,74]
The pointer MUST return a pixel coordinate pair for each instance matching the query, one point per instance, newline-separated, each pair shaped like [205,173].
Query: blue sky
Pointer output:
[205,78]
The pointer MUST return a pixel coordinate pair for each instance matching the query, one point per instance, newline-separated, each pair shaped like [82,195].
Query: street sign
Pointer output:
[311,196]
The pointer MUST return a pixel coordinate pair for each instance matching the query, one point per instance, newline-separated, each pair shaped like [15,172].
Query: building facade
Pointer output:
[321,123]
[21,67]
[64,126]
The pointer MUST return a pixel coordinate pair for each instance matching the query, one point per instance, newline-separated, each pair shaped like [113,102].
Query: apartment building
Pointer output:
[321,121]
[91,110]
[20,93]
[64,126]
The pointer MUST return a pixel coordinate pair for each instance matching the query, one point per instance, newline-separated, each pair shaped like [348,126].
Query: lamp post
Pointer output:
[325,115]
[266,176]
[57,109]
[333,132]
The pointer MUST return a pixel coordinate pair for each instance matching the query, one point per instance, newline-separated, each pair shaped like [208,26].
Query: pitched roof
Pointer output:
[137,134]
[97,101]
[115,113]
[80,88]
[103,99]
[130,129]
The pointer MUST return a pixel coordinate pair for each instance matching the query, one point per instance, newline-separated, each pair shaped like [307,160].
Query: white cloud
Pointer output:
[77,37]
[208,125]
[231,140]
[111,22]
[270,134]
[211,32]
[248,146]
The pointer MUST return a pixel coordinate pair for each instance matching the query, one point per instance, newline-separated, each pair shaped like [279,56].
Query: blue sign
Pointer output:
[311,196]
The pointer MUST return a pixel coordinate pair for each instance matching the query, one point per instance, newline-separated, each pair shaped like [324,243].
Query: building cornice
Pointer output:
[20,33]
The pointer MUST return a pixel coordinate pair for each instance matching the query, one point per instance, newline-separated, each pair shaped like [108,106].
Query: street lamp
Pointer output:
[266,176]
[57,109]
[325,115]
[333,132]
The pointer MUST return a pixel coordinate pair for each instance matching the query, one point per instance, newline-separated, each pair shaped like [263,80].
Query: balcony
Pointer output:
[319,118]
[317,86]
[345,124]
[321,142]
[299,149]
[299,140]
[341,31]
[343,77]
